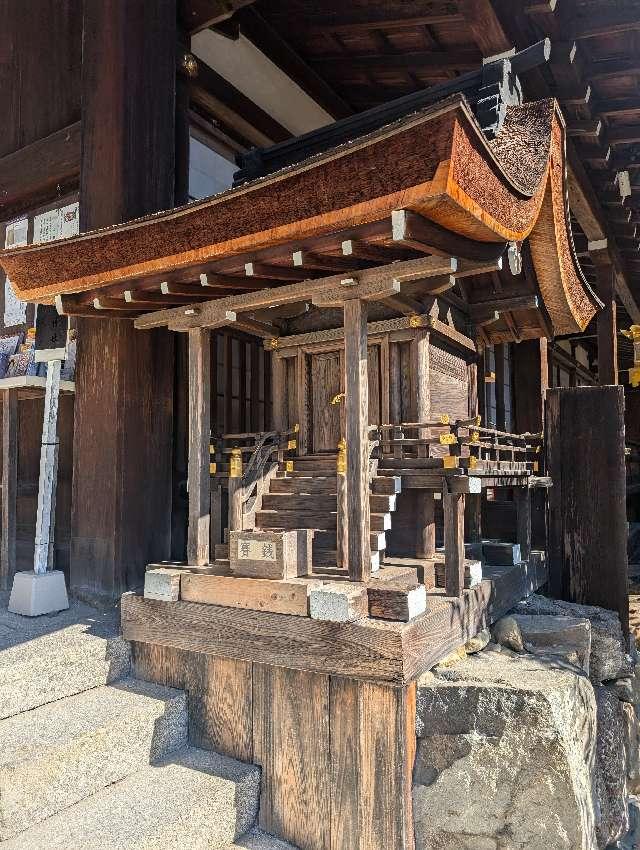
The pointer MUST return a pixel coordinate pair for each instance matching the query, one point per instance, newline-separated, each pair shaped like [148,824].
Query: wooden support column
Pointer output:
[522,497]
[531,381]
[199,435]
[9,487]
[357,436]
[453,506]
[606,318]
[278,392]
[421,411]
[124,378]
[46,513]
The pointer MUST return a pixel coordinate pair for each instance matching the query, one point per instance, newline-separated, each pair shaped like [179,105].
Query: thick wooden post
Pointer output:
[124,378]
[531,381]
[278,392]
[421,411]
[199,435]
[9,487]
[357,436]
[587,503]
[46,514]
[606,318]
[453,506]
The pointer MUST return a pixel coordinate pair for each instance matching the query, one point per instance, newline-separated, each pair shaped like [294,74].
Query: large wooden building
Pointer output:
[348,293]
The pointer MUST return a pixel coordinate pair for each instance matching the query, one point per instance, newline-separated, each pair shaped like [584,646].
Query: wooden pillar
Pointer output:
[421,411]
[606,319]
[522,497]
[199,436]
[587,503]
[453,506]
[124,378]
[357,436]
[9,487]
[342,515]
[278,392]
[46,512]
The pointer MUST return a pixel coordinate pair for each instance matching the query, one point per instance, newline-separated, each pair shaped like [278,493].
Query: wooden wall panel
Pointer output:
[292,744]
[449,383]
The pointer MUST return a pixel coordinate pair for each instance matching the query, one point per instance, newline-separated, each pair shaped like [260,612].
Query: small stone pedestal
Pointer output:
[34,593]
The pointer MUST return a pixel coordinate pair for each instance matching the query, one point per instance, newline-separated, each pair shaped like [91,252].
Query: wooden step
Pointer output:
[309,502]
[380,504]
[387,485]
[303,485]
[270,519]
[327,558]
[328,540]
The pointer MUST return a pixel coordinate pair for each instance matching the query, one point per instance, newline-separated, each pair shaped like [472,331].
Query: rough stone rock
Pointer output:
[505,757]
[631,840]
[567,637]
[632,746]
[609,659]
[622,688]
[478,643]
[612,820]
[507,633]
[459,654]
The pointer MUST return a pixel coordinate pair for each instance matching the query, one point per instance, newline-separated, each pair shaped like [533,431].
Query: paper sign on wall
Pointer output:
[56,224]
[15,310]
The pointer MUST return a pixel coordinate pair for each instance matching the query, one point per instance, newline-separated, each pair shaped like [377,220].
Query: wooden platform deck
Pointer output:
[368,649]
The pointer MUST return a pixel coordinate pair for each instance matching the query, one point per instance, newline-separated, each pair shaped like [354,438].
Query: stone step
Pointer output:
[258,840]
[190,800]
[38,667]
[58,754]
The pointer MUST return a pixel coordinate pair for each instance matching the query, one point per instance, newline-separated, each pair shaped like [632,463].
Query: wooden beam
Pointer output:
[372,252]
[504,305]
[404,305]
[265,330]
[357,437]
[235,103]
[485,26]
[210,311]
[350,289]
[623,135]
[199,437]
[273,45]
[607,69]
[196,15]
[441,60]
[411,230]
[605,23]
[271,272]
[311,260]
[37,169]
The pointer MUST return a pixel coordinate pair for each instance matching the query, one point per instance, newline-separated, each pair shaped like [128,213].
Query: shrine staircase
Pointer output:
[307,498]
[92,757]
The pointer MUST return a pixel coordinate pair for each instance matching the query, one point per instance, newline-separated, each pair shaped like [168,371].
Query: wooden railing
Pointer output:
[249,479]
[461,443]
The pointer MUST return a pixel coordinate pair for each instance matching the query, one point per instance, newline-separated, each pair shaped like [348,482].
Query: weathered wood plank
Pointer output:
[292,745]
[279,597]
[453,506]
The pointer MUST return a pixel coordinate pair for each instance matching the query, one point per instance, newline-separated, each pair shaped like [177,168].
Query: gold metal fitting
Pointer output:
[473,462]
[273,343]
[634,376]
[447,439]
[450,462]
[288,466]
[416,321]
[633,333]
[341,460]
[337,399]
[213,468]
[296,428]
[478,420]
[444,419]
[235,464]
[292,444]
[475,436]
[189,65]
